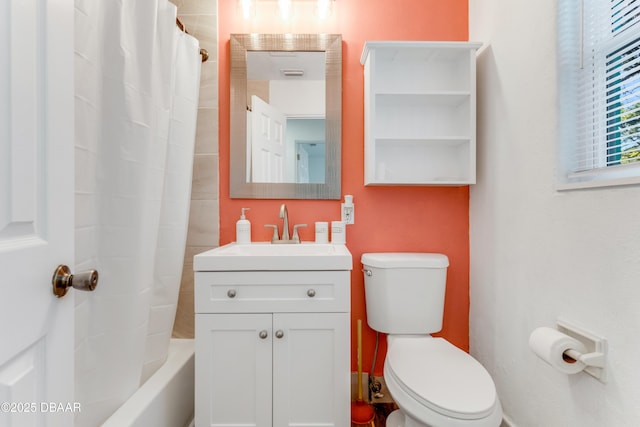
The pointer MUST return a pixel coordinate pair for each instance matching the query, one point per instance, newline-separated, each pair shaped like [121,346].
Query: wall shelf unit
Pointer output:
[420,112]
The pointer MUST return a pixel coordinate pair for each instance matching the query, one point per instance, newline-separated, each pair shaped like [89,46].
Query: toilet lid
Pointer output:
[442,377]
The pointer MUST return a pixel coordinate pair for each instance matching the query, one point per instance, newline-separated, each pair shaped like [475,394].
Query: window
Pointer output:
[599,92]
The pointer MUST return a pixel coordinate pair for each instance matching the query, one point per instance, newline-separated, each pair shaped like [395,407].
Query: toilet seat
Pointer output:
[441,377]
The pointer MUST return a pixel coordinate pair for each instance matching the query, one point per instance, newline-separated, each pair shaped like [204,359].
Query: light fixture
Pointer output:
[286,8]
[248,8]
[323,8]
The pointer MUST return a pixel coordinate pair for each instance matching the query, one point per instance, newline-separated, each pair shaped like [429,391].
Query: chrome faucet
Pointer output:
[284,215]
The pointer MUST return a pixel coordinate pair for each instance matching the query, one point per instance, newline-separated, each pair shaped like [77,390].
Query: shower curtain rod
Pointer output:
[203,52]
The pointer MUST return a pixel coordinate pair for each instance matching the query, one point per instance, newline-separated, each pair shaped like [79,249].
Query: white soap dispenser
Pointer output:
[243,229]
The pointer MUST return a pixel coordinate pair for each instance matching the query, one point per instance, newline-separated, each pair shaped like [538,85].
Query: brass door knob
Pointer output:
[63,280]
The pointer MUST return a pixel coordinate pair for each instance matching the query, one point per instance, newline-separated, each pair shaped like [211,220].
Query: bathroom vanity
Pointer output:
[272,335]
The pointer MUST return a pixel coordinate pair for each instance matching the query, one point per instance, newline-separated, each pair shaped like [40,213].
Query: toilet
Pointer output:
[434,383]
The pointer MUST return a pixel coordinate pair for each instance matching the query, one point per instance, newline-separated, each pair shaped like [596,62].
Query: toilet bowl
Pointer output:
[434,383]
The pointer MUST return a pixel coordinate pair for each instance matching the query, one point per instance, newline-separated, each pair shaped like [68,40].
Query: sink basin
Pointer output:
[280,257]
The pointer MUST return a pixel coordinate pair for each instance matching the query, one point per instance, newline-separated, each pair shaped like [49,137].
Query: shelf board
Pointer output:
[434,182]
[427,46]
[433,99]
[444,140]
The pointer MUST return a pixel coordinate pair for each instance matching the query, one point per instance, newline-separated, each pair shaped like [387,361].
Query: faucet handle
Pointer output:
[275,236]
[296,237]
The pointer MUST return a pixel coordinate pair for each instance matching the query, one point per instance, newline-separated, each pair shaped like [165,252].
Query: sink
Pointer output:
[282,257]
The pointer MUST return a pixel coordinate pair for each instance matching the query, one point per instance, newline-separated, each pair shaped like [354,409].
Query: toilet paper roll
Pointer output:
[549,344]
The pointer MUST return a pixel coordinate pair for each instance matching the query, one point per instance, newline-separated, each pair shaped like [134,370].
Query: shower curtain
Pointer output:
[137,82]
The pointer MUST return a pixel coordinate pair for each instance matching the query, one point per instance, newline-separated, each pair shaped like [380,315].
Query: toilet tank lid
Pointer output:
[405,260]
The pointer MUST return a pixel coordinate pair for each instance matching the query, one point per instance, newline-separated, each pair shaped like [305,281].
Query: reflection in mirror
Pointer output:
[286,116]
[285,90]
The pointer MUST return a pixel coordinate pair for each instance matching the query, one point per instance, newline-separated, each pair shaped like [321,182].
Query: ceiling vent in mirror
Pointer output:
[292,72]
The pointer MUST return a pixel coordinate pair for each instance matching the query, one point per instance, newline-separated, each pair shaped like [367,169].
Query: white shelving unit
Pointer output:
[420,112]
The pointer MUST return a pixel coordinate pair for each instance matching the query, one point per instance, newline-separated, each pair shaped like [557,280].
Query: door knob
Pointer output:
[63,280]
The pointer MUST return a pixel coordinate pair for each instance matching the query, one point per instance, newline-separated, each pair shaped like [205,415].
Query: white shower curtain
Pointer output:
[137,82]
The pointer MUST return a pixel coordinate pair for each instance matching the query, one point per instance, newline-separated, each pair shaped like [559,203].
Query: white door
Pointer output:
[268,150]
[302,163]
[36,211]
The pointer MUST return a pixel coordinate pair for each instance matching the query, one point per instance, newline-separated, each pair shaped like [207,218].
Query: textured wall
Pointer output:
[200,18]
[538,254]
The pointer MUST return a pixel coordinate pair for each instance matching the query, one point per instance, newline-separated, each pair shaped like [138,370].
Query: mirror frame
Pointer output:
[331,44]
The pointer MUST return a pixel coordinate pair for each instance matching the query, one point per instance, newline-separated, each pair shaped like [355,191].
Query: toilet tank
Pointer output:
[404,291]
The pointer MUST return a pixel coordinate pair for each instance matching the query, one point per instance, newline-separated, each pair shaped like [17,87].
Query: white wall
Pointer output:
[304,98]
[538,254]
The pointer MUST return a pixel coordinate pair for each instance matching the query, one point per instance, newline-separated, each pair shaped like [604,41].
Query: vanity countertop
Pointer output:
[265,256]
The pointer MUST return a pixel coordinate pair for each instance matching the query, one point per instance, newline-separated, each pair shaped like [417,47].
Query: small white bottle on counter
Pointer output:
[322,232]
[243,229]
[338,233]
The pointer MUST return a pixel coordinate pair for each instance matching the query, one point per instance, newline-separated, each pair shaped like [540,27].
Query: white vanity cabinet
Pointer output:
[420,112]
[272,348]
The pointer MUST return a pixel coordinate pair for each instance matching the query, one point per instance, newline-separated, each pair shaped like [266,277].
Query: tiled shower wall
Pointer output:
[201,20]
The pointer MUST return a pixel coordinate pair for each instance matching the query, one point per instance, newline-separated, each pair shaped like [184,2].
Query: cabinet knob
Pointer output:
[311,293]
[263,334]
[279,333]
[231,293]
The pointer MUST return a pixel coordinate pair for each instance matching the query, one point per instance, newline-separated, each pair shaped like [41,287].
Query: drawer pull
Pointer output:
[231,293]
[263,334]
[279,333]
[311,293]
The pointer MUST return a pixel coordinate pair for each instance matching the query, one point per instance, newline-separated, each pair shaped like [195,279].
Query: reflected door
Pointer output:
[302,163]
[268,151]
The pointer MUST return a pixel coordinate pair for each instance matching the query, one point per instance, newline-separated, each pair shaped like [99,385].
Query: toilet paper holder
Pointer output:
[595,357]
[590,359]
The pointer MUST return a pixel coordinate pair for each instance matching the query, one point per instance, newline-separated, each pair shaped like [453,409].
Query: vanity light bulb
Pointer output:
[323,9]
[285,7]
[248,8]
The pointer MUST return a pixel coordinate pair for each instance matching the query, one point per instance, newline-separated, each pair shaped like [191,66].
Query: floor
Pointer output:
[384,409]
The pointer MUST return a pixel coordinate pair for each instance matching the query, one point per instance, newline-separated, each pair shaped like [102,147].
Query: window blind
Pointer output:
[599,88]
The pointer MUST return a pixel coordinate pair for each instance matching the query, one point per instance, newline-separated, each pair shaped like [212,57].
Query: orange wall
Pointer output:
[418,219]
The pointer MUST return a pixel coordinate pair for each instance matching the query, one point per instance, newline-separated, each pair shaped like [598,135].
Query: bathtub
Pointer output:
[166,399]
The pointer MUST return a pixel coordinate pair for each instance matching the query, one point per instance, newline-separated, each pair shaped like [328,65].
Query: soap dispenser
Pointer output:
[243,229]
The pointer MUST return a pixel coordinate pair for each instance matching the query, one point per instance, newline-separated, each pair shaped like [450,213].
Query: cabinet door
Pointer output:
[311,380]
[233,370]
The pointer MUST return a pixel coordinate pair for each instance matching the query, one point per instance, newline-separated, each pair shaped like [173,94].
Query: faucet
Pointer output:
[284,215]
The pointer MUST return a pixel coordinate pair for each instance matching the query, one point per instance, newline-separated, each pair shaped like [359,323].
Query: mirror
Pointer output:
[286,116]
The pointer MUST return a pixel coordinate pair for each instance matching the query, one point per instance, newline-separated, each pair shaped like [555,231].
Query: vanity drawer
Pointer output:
[268,292]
